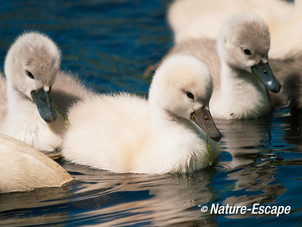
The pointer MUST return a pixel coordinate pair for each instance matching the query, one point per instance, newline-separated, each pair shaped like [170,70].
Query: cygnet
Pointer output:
[168,133]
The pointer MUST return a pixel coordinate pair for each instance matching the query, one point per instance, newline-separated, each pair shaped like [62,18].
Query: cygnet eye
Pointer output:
[247,52]
[190,95]
[29,74]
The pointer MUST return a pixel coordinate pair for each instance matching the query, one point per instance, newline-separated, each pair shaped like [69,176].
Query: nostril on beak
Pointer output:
[192,116]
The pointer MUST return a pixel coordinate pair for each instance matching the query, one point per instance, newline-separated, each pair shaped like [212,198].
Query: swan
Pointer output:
[36,91]
[26,168]
[289,74]
[125,133]
[239,67]
[197,19]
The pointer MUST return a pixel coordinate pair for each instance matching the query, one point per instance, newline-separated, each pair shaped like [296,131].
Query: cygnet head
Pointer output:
[31,66]
[182,87]
[244,43]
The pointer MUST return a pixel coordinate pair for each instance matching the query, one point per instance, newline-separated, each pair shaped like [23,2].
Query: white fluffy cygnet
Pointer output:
[168,133]
[24,168]
[33,78]
[204,19]
[239,67]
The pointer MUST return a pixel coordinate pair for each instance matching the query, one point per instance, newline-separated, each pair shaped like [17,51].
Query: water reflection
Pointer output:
[293,133]
[244,140]
[138,198]
[250,172]
[33,208]
[115,199]
[254,185]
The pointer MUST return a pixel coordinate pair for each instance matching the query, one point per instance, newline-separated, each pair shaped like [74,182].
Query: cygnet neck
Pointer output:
[234,80]
[18,104]
[240,96]
[159,116]
[162,119]
[16,99]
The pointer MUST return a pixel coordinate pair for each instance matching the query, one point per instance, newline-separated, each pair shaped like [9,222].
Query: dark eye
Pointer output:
[247,52]
[30,75]
[190,95]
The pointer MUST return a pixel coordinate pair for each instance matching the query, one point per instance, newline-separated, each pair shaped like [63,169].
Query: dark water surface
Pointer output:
[108,44]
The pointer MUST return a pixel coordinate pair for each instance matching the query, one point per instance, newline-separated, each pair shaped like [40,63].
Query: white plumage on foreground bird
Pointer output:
[168,133]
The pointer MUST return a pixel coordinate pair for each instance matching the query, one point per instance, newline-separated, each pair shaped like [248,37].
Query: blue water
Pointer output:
[108,44]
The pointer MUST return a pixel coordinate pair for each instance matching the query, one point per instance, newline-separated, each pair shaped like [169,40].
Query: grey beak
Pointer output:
[265,74]
[204,120]
[44,104]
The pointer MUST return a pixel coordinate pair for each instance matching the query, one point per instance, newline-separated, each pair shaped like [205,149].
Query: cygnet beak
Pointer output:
[44,104]
[204,120]
[264,73]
